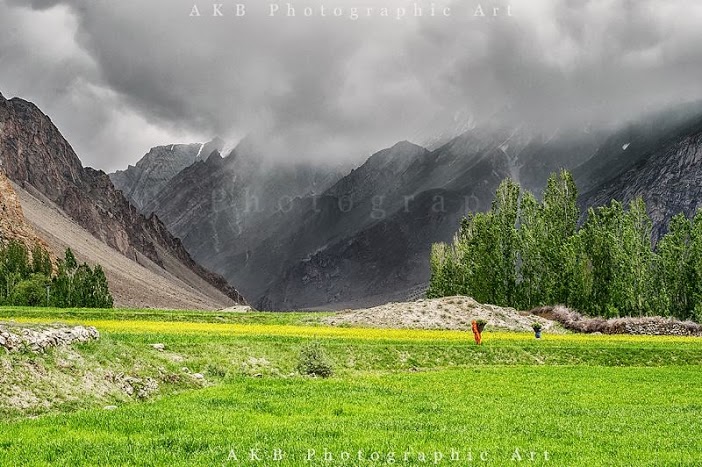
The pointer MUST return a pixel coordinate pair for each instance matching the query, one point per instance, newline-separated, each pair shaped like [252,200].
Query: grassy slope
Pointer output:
[588,400]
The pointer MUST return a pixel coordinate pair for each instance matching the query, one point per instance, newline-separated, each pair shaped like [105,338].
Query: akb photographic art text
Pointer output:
[323,10]
[434,457]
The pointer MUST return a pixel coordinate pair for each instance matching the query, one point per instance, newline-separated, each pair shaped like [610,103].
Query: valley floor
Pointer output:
[225,384]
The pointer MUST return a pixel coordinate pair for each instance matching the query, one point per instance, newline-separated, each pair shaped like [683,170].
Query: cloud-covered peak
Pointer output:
[120,77]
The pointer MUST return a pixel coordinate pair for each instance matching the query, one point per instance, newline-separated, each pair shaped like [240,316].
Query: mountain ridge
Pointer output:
[37,158]
[331,247]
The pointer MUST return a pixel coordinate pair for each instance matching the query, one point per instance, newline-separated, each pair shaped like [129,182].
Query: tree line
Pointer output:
[33,280]
[525,253]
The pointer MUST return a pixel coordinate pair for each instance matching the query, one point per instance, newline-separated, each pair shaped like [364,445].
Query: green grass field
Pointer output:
[398,397]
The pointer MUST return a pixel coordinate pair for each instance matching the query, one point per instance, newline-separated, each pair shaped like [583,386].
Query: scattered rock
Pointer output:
[133,386]
[110,407]
[253,361]
[199,376]
[39,338]
[175,357]
[159,347]
[237,309]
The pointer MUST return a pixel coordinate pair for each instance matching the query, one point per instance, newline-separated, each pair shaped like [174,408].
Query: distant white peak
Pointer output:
[172,146]
[626,146]
[202,145]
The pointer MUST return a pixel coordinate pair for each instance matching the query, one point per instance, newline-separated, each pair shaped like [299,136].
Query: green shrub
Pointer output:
[30,292]
[24,280]
[313,361]
[697,313]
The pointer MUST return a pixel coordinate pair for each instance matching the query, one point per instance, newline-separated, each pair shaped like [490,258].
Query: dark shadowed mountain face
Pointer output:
[298,236]
[404,199]
[142,182]
[35,155]
[659,160]
[225,208]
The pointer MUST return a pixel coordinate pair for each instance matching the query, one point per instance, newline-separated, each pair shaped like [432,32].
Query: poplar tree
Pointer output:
[560,215]
[531,263]
[525,253]
[504,239]
[676,267]
[438,284]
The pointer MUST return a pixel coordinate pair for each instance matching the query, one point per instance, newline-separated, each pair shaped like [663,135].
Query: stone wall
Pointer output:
[38,339]
[647,325]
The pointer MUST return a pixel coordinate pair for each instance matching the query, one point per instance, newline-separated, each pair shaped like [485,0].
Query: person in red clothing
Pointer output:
[476,333]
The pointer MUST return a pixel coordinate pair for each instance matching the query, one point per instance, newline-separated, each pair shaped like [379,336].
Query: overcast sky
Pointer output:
[118,77]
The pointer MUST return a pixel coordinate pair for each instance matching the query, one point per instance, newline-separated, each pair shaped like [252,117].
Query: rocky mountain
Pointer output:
[294,236]
[142,182]
[300,236]
[35,156]
[13,224]
[404,199]
[658,159]
[225,207]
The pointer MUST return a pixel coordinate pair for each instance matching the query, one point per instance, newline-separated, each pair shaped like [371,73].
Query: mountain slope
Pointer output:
[377,250]
[142,182]
[225,208]
[13,224]
[660,163]
[135,282]
[295,236]
[39,160]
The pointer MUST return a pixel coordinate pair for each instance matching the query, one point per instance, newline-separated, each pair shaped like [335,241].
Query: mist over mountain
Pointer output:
[120,77]
[301,235]
[658,159]
[305,236]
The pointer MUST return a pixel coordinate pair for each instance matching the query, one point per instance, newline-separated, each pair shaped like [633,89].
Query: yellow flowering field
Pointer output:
[229,329]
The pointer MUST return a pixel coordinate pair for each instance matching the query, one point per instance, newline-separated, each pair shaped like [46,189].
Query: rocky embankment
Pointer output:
[38,339]
[455,313]
[647,325]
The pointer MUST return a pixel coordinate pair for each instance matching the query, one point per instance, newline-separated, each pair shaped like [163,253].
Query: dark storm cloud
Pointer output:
[568,61]
[119,77]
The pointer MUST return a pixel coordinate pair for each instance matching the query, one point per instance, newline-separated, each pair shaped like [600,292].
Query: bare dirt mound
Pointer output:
[648,325]
[454,313]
